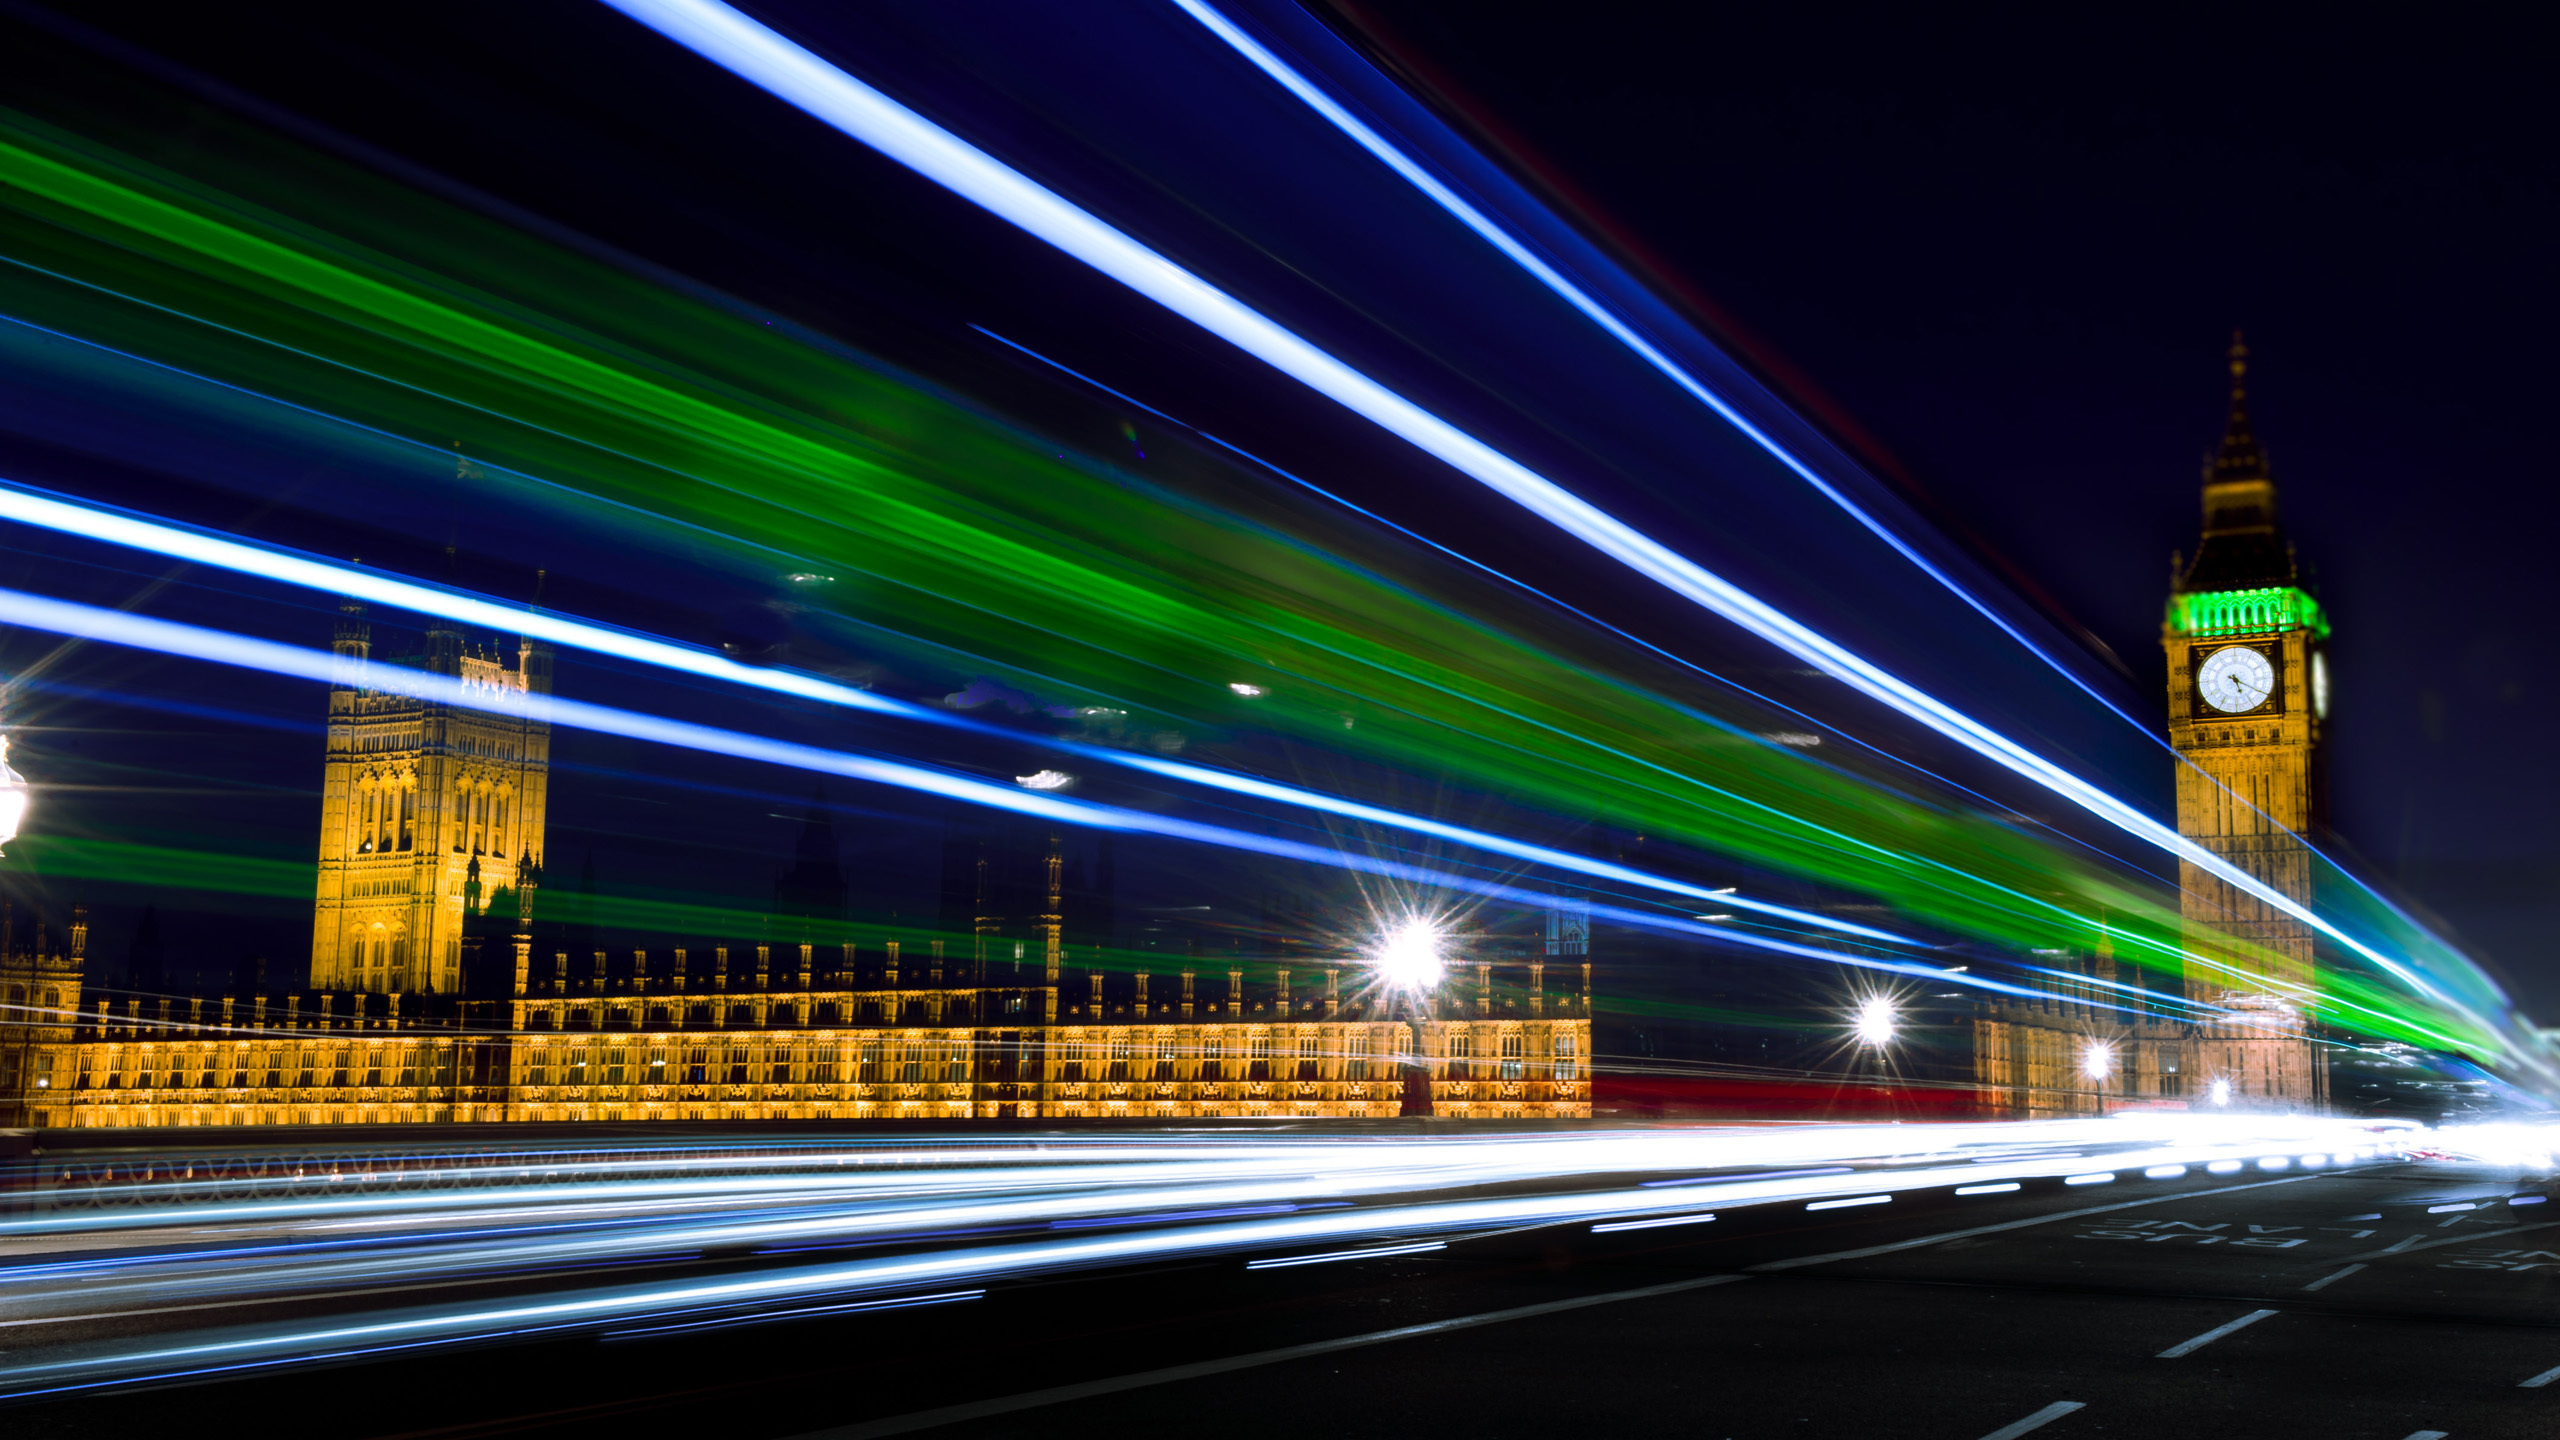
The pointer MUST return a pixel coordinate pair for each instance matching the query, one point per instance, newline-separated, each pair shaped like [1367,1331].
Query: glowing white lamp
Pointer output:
[1408,955]
[2220,1092]
[13,796]
[2098,1061]
[1874,1024]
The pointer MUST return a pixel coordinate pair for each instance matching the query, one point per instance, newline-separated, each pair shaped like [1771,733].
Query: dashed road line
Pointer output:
[2538,1381]
[2189,1347]
[2325,1281]
[2038,1420]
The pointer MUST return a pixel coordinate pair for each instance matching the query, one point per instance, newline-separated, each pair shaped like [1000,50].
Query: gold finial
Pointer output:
[2239,458]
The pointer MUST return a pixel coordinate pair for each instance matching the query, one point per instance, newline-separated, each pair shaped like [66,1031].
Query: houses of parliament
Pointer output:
[433,996]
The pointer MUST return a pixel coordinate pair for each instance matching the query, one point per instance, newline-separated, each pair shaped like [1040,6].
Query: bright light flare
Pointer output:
[1874,1024]
[2219,1092]
[2098,1060]
[13,796]
[1410,955]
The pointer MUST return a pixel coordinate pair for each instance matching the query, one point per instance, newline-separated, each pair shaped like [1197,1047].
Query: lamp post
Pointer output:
[1409,959]
[2098,1064]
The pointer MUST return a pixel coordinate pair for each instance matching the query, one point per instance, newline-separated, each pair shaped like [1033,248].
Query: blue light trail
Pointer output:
[765,58]
[221,647]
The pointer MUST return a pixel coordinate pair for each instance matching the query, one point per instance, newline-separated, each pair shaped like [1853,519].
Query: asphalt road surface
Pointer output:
[2390,1301]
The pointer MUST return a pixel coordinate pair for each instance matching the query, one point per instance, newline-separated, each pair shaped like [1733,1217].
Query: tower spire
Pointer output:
[2240,458]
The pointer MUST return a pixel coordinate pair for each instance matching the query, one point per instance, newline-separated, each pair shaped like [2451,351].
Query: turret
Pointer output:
[352,645]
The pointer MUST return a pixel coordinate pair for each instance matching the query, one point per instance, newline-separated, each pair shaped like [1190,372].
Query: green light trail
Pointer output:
[358,319]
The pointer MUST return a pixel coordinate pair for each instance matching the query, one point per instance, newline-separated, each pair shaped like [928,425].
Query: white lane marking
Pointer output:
[2538,1381]
[1059,1394]
[2324,1281]
[2421,1242]
[1966,1234]
[2441,1209]
[2428,1434]
[2003,1188]
[1614,1226]
[1853,1200]
[2189,1347]
[2098,1178]
[1375,1252]
[2041,1418]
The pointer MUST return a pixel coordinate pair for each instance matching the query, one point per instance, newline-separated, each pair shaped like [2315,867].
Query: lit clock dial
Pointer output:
[2236,678]
[2320,684]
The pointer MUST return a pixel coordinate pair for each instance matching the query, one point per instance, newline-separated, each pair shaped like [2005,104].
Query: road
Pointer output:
[2385,1300]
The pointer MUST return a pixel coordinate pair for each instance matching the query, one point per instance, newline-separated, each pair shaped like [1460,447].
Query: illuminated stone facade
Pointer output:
[427,811]
[2248,701]
[39,994]
[359,1058]
[433,1002]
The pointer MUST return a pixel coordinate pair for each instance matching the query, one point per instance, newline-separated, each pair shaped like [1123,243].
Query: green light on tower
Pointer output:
[2241,612]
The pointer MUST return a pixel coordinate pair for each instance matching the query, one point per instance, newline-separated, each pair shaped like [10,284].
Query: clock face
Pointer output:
[2236,678]
[2320,684]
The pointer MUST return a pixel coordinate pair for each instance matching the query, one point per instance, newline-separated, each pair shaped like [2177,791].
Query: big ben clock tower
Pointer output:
[2248,702]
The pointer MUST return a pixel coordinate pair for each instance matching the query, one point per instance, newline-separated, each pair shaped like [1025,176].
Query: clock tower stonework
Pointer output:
[2248,707]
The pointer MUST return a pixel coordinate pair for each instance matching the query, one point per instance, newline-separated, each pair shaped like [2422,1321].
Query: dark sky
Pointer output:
[2012,242]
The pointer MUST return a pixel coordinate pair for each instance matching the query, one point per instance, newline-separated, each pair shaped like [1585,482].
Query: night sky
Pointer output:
[2011,246]
[2001,259]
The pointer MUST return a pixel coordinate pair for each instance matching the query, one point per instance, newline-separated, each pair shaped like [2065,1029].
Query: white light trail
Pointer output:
[1614,1226]
[1609,321]
[758,54]
[378,587]
[220,647]
[1481,1186]
[1378,1252]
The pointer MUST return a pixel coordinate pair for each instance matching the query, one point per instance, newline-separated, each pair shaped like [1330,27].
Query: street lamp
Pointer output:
[1873,1024]
[2219,1092]
[13,797]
